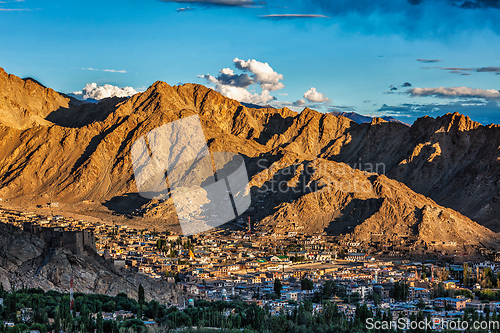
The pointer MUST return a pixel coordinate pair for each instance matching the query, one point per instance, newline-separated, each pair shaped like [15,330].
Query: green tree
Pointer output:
[278,287]
[99,322]
[141,301]
[466,275]
[306,284]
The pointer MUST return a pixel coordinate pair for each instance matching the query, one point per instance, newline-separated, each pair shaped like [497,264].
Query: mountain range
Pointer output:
[359,118]
[434,181]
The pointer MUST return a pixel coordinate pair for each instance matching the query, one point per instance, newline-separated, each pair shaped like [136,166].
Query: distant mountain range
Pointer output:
[427,182]
[365,119]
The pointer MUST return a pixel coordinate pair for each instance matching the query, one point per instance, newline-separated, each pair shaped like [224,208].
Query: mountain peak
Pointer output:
[377,121]
[26,103]
[457,122]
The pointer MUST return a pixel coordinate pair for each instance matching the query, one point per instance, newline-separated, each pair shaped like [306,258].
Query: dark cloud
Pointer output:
[480,111]
[429,60]
[300,102]
[455,92]
[413,19]
[221,3]
[457,70]
[235,80]
[474,4]
[394,88]
[291,16]
[406,85]
[466,71]
[489,69]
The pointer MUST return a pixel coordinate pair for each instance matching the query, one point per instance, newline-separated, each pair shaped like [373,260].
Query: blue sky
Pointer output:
[358,56]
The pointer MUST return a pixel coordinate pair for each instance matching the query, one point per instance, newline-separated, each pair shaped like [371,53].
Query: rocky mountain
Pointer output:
[25,260]
[365,206]
[359,118]
[79,154]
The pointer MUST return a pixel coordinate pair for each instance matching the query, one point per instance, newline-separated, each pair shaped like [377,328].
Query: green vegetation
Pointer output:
[34,309]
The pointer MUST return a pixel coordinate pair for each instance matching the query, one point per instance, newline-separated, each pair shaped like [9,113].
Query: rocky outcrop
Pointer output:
[26,261]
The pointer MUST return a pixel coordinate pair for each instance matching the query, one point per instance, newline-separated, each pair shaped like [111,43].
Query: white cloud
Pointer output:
[98,92]
[312,95]
[455,92]
[114,71]
[262,73]
[245,96]
[183,9]
[236,85]
[105,70]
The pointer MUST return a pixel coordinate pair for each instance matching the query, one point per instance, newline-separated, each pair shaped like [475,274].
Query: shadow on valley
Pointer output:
[126,203]
[80,113]
[352,215]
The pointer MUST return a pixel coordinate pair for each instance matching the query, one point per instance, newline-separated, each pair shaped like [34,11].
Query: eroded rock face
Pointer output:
[325,195]
[18,247]
[26,262]
[81,152]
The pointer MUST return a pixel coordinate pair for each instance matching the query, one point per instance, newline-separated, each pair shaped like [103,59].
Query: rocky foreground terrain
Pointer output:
[25,261]
[428,181]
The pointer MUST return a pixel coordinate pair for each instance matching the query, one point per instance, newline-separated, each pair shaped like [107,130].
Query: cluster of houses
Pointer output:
[237,265]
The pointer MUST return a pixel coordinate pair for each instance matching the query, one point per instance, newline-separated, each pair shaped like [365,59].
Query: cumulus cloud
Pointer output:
[222,3]
[262,73]
[236,85]
[227,77]
[406,85]
[183,9]
[312,95]
[300,102]
[455,92]
[292,16]
[245,96]
[98,92]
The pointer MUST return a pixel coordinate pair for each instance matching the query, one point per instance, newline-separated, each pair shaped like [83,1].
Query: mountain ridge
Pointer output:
[87,158]
[359,118]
